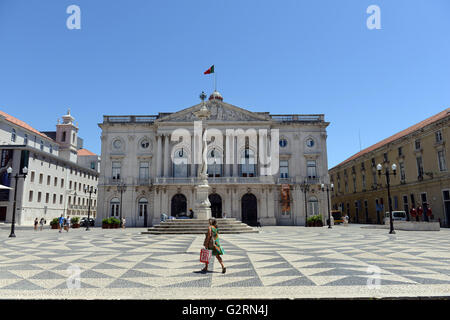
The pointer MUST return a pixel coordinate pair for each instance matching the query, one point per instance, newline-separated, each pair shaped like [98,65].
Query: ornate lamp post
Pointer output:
[203,206]
[90,190]
[121,187]
[305,188]
[17,176]
[388,182]
[328,201]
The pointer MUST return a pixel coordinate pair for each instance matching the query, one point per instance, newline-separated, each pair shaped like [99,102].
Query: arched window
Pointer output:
[143,207]
[115,207]
[313,206]
[247,163]
[214,163]
[180,163]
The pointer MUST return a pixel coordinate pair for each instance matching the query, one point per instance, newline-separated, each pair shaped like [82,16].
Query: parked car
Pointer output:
[83,222]
[396,215]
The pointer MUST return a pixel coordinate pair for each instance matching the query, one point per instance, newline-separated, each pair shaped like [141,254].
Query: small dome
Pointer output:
[215,96]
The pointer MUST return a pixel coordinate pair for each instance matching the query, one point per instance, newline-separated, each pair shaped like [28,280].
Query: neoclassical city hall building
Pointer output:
[150,165]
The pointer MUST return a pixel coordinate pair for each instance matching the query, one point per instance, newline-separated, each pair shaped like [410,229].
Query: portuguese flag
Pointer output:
[210,70]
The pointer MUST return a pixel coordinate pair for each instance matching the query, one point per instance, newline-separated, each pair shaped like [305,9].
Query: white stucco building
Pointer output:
[58,171]
[156,158]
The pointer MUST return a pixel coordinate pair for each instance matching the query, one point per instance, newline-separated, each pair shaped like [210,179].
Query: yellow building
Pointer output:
[422,179]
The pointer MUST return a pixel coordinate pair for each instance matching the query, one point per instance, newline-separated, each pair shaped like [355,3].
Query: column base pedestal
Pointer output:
[202,206]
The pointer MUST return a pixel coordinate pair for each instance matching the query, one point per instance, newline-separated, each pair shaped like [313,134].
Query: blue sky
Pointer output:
[286,56]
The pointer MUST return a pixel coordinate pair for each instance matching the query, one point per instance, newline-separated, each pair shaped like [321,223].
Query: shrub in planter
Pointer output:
[75,222]
[106,223]
[115,222]
[54,223]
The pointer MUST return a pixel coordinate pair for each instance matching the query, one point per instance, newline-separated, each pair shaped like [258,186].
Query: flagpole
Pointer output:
[215,82]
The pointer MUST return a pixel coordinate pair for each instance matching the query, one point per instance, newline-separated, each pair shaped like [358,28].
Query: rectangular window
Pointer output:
[47,197]
[39,197]
[30,198]
[144,170]
[62,183]
[419,166]
[32,176]
[116,170]
[93,165]
[385,157]
[417,144]
[25,140]
[438,136]
[56,182]
[284,168]
[346,187]
[354,184]
[312,173]
[400,151]
[362,166]
[402,171]
[70,184]
[75,186]
[41,178]
[61,199]
[364,182]
[48,180]
[54,198]
[373,162]
[441,160]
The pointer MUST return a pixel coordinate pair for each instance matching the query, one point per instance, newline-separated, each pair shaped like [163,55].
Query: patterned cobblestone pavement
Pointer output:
[279,262]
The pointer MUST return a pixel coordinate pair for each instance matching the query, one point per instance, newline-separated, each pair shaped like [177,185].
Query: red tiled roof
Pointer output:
[22,124]
[420,125]
[85,152]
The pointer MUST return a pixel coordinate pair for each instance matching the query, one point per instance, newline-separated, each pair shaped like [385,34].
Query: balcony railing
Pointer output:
[298,117]
[130,119]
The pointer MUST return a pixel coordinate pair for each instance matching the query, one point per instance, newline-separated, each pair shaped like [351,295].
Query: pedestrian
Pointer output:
[35,224]
[61,223]
[67,227]
[123,223]
[224,215]
[191,214]
[42,222]
[212,243]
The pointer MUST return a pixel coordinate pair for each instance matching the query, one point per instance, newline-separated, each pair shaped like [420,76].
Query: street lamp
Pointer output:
[328,201]
[90,190]
[305,188]
[388,182]
[121,188]
[17,176]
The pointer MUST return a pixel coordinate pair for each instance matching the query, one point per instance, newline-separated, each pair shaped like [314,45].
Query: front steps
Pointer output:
[200,226]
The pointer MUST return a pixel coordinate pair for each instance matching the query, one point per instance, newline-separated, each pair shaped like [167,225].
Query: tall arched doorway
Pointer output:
[179,205]
[249,209]
[216,205]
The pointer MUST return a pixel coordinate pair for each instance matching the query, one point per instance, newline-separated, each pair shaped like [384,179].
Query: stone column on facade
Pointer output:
[166,155]
[193,172]
[157,206]
[270,220]
[158,156]
[235,156]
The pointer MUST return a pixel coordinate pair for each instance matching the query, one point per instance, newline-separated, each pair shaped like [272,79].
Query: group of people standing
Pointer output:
[39,222]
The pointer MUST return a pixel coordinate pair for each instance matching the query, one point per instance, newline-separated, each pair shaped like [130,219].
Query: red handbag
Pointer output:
[205,255]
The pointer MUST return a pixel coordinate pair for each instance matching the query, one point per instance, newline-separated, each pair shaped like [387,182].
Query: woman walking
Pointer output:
[212,243]
[35,224]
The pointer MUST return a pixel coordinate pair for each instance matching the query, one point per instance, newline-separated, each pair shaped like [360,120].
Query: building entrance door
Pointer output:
[446,196]
[249,209]
[3,214]
[216,205]
[179,205]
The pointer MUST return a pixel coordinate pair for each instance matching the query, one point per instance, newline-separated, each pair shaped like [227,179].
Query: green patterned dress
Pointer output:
[217,249]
